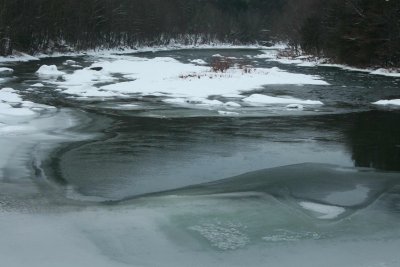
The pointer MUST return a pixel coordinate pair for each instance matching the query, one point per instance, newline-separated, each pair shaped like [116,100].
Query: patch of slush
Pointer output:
[51,70]
[324,212]
[394,102]
[258,99]
[224,236]
[281,235]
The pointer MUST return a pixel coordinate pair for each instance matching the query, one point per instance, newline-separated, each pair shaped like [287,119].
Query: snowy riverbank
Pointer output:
[311,61]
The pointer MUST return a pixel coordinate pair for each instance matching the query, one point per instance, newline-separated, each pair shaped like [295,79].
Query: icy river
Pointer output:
[152,159]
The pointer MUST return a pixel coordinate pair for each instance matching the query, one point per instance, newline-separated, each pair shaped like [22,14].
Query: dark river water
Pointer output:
[165,185]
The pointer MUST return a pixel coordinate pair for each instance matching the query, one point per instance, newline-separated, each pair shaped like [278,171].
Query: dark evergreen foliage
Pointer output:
[41,25]
[356,32]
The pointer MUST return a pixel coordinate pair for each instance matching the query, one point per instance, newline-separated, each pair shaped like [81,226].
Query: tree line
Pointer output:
[356,32]
[41,25]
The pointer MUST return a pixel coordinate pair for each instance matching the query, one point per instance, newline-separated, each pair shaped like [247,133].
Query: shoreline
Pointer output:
[301,61]
[23,57]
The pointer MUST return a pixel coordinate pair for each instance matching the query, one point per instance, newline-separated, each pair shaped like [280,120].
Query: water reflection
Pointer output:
[374,140]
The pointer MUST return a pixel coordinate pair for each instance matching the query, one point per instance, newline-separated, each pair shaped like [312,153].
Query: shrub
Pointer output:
[221,64]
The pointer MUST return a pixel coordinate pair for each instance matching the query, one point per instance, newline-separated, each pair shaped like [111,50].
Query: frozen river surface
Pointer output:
[152,159]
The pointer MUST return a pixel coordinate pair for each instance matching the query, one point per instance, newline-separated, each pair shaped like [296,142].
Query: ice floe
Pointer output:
[198,61]
[4,70]
[258,99]
[38,85]
[227,113]
[51,70]
[11,104]
[323,211]
[394,102]
[70,62]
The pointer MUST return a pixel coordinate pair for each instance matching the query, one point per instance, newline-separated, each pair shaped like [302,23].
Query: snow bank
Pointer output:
[310,61]
[46,70]
[386,72]
[6,70]
[258,99]
[325,211]
[395,102]
[18,57]
[99,52]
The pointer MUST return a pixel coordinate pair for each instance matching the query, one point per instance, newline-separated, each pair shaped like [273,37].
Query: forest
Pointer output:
[355,32]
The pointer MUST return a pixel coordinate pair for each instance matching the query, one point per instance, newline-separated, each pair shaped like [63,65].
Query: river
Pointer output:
[101,177]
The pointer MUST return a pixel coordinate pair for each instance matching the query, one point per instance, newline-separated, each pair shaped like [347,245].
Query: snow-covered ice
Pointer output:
[259,99]
[11,104]
[394,102]
[51,70]
[324,211]
[38,85]
[198,61]
[227,113]
[70,62]
[181,83]
[386,72]
[4,70]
